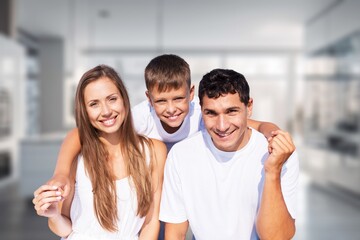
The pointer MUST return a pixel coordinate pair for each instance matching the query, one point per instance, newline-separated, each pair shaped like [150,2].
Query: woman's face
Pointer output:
[104,106]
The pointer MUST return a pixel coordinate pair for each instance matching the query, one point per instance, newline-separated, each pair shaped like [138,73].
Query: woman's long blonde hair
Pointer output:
[95,155]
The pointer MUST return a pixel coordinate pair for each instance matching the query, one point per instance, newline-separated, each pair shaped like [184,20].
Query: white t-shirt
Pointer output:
[219,192]
[146,122]
[84,222]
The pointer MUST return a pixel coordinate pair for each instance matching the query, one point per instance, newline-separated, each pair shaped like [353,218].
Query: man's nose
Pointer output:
[222,123]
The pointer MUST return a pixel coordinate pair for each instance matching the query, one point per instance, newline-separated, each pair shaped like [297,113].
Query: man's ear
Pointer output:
[192,92]
[250,107]
[148,97]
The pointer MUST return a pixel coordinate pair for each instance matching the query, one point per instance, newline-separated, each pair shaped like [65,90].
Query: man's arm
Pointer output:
[265,128]
[176,231]
[151,226]
[69,150]
[274,220]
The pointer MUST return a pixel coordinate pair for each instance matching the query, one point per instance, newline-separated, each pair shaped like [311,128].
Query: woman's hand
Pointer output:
[46,201]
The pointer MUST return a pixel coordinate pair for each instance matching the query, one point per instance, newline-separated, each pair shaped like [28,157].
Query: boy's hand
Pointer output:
[46,200]
[61,182]
[280,147]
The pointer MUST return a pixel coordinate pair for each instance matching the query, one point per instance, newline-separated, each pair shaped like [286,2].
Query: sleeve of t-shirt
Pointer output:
[139,114]
[290,182]
[172,209]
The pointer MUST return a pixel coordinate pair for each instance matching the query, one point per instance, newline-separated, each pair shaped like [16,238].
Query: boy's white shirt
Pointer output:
[146,122]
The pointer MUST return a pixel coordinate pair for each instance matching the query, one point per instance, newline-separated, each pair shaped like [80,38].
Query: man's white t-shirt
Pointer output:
[219,192]
[146,122]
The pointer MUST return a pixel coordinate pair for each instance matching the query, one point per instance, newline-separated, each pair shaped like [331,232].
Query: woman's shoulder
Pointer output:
[158,150]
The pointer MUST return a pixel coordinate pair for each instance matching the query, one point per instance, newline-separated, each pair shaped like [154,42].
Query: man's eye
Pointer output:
[210,113]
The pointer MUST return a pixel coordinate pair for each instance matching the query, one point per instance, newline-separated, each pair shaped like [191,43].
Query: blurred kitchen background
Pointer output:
[301,58]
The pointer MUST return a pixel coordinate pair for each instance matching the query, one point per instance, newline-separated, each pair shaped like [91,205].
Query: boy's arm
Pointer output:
[69,150]
[151,226]
[176,231]
[264,127]
[274,220]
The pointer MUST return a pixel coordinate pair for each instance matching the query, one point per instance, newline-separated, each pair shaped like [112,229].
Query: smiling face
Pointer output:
[171,106]
[225,119]
[104,106]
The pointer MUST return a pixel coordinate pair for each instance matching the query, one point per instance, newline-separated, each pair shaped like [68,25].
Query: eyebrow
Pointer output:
[112,94]
[227,109]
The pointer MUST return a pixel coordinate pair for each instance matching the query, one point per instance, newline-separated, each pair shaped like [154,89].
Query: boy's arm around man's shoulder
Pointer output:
[70,149]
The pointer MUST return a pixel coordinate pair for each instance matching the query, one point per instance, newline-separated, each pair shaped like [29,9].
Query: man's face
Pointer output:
[225,119]
[171,106]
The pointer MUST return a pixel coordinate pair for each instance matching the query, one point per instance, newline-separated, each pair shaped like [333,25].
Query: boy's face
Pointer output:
[171,106]
[225,119]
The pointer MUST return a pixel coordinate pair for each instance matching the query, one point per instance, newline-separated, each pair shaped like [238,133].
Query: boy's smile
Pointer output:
[171,106]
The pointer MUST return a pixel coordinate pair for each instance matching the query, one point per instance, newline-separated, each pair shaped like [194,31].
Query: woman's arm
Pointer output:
[48,203]
[69,150]
[265,128]
[150,229]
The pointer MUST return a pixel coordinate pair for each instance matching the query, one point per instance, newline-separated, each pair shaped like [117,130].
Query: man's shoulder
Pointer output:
[191,141]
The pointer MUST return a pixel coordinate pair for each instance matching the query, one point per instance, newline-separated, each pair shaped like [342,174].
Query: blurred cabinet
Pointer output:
[332,119]
[38,156]
[12,109]
[333,24]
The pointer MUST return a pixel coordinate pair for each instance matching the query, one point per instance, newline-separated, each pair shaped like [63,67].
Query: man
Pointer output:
[227,181]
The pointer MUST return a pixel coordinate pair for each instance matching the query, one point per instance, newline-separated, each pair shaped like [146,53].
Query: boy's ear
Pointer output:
[148,97]
[192,92]
[250,107]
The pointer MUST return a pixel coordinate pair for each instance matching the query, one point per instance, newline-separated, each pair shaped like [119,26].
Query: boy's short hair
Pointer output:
[220,82]
[167,72]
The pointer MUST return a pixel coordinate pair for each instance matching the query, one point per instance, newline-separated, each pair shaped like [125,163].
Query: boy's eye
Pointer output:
[179,99]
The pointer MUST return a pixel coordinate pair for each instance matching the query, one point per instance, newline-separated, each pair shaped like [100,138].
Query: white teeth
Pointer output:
[173,117]
[223,134]
[109,122]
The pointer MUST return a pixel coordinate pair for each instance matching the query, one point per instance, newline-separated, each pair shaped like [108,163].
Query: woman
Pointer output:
[118,176]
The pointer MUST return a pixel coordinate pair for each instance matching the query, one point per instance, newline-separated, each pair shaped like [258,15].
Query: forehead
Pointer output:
[223,102]
[183,90]
[100,88]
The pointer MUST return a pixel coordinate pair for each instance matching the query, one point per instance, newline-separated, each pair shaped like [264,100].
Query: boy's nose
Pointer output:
[170,108]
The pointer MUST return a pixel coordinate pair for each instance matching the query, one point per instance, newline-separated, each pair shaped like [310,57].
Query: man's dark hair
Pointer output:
[220,82]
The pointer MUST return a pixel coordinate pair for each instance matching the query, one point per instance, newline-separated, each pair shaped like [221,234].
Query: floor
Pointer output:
[324,213]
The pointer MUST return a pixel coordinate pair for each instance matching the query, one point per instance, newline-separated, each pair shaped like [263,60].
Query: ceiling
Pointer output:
[54,17]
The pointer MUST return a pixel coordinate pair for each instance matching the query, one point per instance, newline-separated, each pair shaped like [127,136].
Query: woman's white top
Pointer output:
[84,222]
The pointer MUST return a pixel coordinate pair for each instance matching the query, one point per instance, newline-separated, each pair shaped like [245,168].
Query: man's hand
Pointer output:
[280,147]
